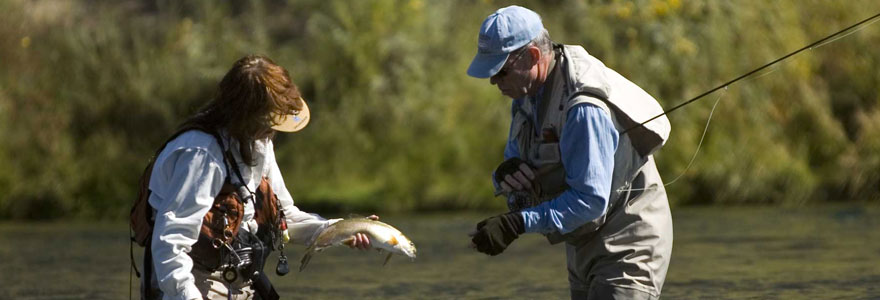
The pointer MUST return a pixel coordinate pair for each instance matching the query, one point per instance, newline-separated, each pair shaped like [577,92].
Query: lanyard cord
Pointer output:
[694,157]
[810,46]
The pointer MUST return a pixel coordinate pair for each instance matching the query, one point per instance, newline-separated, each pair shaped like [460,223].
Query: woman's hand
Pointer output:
[360,240]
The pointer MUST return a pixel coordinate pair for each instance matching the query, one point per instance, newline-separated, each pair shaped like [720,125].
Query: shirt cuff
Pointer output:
[189,292]
[530,220]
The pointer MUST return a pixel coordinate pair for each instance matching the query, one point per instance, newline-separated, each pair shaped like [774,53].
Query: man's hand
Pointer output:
[514,174]
[494,234]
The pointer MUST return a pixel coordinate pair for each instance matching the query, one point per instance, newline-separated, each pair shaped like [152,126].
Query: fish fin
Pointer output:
[387,258]
[306,258]
[305,261]
[393,241]
[348,241]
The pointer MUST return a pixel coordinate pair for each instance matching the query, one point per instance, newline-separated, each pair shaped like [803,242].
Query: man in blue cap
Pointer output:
[578,166]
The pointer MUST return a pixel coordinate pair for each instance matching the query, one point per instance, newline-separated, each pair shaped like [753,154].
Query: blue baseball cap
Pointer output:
[502,32]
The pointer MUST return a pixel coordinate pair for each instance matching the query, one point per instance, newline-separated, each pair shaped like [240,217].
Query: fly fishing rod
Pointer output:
[755,71]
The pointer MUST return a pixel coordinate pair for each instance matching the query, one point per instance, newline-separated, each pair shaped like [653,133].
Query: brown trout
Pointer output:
[382,237]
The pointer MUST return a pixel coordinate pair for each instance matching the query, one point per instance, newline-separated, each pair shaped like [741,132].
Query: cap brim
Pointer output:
[486,65]
[294,122]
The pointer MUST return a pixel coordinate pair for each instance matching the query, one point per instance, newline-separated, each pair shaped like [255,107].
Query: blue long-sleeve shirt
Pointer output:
[587,145]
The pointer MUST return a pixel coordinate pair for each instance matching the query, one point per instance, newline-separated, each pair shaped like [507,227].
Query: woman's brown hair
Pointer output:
[249,100]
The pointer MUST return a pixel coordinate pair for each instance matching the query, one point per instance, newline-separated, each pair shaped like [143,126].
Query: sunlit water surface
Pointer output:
[719,253]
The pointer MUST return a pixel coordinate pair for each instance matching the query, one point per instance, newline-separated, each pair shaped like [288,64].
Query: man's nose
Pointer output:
[494,80]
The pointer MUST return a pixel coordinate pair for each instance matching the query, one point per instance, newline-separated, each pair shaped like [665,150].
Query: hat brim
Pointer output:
[486,65]
[294,122]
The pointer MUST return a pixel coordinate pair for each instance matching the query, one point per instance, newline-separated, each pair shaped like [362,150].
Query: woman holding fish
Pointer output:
[217,200]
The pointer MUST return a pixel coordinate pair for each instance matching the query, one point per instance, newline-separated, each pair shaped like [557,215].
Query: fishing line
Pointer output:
[772,70]
[700,144]
[843,36]
[821,42]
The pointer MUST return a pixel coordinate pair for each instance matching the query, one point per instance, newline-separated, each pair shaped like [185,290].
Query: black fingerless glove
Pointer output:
[508,167]
[496,233]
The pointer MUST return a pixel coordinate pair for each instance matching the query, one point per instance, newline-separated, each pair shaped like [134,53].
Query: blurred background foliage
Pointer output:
[89,89]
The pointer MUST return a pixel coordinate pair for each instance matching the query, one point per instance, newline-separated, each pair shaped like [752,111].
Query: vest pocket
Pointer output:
[548,153]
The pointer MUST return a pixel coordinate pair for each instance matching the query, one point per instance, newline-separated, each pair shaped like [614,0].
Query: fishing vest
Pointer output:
[578,78]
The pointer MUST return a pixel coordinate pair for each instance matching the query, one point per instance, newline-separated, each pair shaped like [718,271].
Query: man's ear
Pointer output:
[535,54]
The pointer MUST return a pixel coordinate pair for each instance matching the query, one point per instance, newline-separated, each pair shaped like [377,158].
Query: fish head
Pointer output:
[405,246]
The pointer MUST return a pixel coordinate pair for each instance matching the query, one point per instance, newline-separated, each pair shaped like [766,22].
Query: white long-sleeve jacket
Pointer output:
[186,176]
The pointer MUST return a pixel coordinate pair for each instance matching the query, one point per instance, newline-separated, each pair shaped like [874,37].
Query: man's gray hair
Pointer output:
[543,42]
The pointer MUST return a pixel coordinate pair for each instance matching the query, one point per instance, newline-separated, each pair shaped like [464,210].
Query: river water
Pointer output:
[827,252]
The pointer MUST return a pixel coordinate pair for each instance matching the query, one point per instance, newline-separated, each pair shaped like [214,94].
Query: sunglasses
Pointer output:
[503,72]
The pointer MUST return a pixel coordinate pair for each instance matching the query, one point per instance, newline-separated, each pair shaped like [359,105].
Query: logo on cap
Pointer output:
[483,43]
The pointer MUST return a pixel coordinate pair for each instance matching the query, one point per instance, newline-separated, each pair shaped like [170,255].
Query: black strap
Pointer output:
[259,281]
[133,265]
[228,159]
[131,254]
[148,271]
[241,183]
[264,288]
